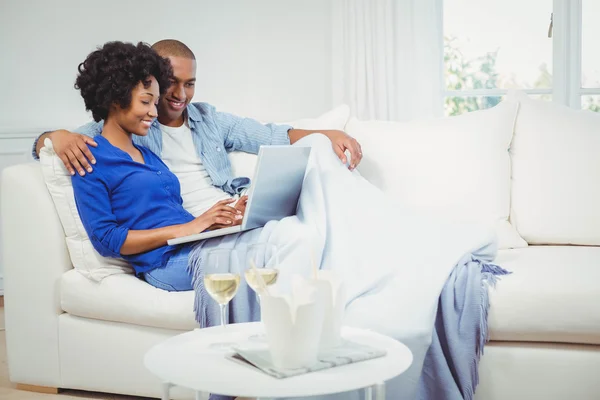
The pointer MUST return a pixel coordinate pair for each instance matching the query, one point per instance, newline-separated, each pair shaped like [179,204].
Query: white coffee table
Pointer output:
[187,361]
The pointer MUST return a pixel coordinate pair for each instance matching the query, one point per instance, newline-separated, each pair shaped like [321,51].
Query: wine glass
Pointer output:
[263,262]
[221,280]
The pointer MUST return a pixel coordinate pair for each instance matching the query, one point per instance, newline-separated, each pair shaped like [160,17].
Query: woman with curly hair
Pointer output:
[131,204]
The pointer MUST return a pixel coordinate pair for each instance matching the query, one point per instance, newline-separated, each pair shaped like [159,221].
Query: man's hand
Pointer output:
[72,148]
[341,142]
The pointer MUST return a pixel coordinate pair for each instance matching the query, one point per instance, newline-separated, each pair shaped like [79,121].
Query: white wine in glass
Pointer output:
[221,281]
[263,258]
[269,276]
[263,261]
[222,287]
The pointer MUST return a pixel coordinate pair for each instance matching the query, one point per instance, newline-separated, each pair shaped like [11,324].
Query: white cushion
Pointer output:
[243,164]
[125,298]
[556,174]
[84,257]
[552,295]
[458,167]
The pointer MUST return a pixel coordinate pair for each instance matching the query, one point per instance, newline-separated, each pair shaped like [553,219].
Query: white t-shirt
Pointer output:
[179,154]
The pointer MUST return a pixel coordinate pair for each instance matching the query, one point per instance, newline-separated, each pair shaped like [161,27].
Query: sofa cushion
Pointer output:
[84,257]
[455,166]
[556,174]
[553,295]
[125,298]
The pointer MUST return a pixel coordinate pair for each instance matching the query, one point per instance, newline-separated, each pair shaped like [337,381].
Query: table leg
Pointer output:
[166,391]
[379,389]
[368,393]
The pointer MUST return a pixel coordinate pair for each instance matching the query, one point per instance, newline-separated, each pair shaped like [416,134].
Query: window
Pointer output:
[543,47]
[590,55]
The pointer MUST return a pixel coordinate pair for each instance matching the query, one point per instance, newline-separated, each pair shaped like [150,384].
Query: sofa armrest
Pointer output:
[35,257]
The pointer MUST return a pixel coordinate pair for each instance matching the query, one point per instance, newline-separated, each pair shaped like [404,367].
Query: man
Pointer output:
[193,138]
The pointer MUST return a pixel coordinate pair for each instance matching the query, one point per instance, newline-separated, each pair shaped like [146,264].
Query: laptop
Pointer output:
[274,191]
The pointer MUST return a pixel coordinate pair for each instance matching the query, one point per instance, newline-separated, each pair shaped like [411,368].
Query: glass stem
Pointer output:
[223,312]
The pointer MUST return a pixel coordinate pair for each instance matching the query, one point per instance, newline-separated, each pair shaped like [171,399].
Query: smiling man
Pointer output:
[193,139]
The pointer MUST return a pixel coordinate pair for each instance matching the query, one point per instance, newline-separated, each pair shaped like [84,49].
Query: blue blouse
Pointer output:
[122,194]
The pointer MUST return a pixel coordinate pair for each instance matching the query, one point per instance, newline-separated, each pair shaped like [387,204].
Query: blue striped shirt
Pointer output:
[214,134]
[122,195]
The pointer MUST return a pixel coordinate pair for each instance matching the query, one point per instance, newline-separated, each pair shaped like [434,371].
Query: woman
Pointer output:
[131,204]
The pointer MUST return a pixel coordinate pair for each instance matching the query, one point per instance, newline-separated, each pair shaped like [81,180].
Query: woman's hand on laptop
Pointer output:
[240,207]
[221,214]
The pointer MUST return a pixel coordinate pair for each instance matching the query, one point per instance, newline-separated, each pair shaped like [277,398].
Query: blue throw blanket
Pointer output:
[450,370]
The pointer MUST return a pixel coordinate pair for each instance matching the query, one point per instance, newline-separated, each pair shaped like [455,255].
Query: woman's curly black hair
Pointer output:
[109,74]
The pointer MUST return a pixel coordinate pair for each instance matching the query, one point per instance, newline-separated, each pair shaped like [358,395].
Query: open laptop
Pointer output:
[274,191]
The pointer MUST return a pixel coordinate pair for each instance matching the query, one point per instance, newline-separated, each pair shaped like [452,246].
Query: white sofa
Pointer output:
[530,170]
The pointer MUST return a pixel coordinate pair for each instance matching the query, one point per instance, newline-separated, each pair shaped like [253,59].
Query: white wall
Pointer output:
[267,59]
[264,58]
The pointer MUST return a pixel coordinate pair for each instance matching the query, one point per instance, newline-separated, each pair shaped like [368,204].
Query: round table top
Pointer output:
[186,360]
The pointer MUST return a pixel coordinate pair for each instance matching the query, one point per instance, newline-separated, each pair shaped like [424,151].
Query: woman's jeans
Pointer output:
[174,275]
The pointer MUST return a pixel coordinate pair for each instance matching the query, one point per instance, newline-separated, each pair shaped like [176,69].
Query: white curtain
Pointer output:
[387,58]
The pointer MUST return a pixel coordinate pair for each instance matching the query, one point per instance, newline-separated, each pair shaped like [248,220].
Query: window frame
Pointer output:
[566,69]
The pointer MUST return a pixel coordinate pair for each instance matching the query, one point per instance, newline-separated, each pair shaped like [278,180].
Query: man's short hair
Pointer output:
[173,48]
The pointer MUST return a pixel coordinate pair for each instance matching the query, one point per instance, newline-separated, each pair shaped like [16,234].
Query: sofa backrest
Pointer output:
[534,169]
[555,156]
[546,186]
[457,167]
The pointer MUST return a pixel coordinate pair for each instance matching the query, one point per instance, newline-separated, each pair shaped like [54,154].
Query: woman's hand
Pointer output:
[240,206]
[221,214]
[144,240]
